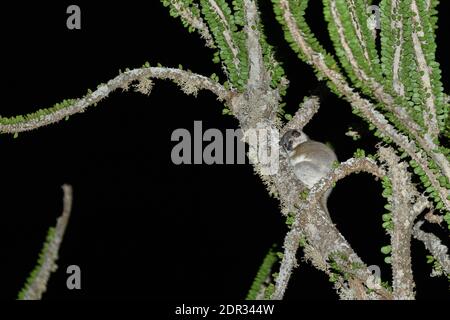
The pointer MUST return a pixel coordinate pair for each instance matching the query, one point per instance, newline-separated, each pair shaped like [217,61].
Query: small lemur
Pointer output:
[311,160]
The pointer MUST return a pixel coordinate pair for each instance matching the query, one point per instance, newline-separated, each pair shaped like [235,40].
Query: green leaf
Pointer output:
[263,273]
[386,249]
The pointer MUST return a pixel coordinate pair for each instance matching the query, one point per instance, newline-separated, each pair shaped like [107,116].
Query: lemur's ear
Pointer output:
[286,140]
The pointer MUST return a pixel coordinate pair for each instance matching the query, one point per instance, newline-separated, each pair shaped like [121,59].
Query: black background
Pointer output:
[142,227]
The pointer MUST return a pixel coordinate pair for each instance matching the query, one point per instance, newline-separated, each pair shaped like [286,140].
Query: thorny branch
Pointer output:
[47,264]
[403,197]
[434,246]
[189,82]
[318,228]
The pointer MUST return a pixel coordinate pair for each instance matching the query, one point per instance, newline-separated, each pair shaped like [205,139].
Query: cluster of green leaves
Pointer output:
[263,274]
[220,20]
[447,219]
[428,43]
[298,8]
[336,272]
[359,153]
[236,63]
[362,46]
[353,134]
[410,74]
[302,242]
[38,268]
[269,291]
[429,190]
[387,250]
[335,264]
[437,268]
[388,224]
[360,42]
[290,219]
[304,194]
[185,5]
[341,269]
[223,20]
[391,38]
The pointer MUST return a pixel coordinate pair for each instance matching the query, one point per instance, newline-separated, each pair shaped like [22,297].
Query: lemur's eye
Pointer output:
[295,134]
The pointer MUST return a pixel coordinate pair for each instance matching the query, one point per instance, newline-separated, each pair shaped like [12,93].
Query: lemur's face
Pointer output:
[291,139]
